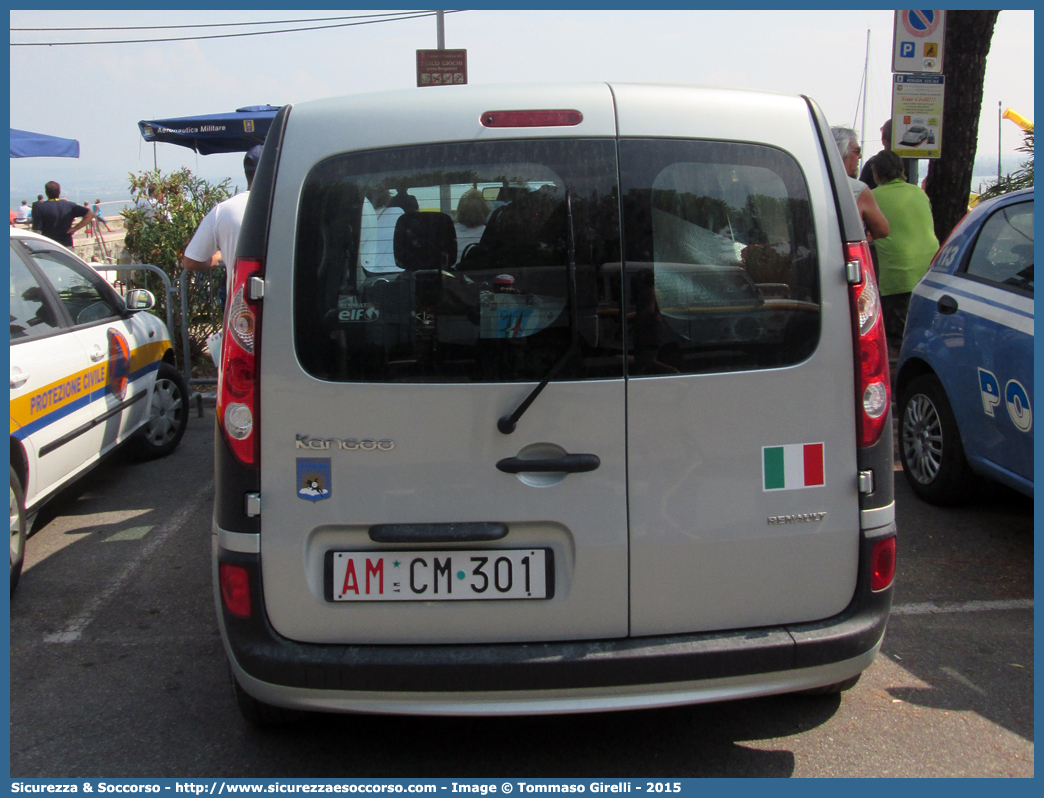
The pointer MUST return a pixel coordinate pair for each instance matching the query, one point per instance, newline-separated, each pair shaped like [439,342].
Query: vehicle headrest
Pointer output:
[425,240]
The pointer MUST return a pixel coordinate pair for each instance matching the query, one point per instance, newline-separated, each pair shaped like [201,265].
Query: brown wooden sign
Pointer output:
[442,67]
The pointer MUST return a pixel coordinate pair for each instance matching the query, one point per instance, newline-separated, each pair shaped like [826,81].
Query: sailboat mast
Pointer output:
[866,81]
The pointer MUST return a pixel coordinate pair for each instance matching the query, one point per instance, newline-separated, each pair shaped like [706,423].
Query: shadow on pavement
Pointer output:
[972,661]
[681,742]
[109,469]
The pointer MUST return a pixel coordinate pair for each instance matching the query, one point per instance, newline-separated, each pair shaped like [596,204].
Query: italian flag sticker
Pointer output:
[791,467]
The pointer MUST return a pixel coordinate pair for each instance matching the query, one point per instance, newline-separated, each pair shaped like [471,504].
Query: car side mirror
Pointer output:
[140,299]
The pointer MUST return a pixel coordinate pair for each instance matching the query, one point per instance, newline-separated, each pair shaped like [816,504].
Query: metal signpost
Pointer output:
[442,67]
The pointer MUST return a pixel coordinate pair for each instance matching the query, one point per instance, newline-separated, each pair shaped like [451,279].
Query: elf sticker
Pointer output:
[313,478]
[792,467]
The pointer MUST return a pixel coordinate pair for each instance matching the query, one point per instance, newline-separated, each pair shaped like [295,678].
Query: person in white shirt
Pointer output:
[23,213]
[377,233]
[216,237]
[150,204]
[874,222]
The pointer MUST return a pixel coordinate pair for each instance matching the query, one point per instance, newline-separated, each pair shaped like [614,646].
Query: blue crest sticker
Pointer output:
[314,479]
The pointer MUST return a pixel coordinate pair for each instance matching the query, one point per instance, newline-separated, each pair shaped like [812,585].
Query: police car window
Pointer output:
[31,313]
[721,257]
[1003,253]
[82,292]
[450,263]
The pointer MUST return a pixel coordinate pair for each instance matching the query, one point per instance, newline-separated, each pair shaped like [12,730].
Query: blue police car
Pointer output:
[965,372]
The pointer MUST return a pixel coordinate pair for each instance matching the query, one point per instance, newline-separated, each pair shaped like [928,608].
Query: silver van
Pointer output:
[541,399]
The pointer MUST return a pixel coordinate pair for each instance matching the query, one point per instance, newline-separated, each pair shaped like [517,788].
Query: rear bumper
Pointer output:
[586,675]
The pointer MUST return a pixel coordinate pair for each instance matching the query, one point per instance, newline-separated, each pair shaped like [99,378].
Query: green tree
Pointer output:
[157,231]
[1020,178]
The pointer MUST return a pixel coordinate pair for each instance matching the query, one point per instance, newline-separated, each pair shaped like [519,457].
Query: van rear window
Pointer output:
[463,262]
[721,257]
[499,261]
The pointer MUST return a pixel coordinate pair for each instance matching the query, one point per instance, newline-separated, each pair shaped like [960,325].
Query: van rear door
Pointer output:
[740,409]
[415,294]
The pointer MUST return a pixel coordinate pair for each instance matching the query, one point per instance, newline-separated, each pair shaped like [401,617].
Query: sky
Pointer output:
[98,93]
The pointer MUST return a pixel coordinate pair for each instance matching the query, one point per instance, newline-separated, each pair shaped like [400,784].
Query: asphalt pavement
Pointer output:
[117,668]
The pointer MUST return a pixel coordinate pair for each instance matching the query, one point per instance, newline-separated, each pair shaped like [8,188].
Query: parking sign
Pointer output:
[917,42]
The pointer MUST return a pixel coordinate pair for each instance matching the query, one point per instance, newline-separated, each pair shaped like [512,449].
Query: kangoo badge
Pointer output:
[313,479]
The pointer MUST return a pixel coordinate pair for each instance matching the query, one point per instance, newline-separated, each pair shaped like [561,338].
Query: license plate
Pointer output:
[474,575]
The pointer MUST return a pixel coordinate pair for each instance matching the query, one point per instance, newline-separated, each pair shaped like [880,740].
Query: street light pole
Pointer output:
[999,117]
[866,84]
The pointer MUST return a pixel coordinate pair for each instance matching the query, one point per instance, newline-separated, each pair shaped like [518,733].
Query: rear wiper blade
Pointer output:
[507,424]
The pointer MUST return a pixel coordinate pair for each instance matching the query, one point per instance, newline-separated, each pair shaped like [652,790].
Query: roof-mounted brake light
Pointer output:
[558,118]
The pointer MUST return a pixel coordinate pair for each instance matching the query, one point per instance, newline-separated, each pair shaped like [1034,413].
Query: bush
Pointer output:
[157,231]
[1021,178]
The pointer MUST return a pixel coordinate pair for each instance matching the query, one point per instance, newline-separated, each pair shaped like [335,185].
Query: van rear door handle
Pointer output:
[568,464]
[947,305]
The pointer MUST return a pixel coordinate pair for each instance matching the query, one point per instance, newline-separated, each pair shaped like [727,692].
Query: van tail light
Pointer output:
[873,385]
[237,396]
[882,564]
[235,588]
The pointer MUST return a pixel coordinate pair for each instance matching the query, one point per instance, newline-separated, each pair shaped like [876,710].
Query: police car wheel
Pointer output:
[930,444]
[168,415]
[258,713]
[18,529]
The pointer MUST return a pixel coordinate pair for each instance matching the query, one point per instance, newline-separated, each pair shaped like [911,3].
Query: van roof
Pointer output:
[532,95]
[453,113]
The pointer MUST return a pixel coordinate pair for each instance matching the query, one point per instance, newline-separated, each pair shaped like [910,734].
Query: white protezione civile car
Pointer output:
[551,399]
[89,372]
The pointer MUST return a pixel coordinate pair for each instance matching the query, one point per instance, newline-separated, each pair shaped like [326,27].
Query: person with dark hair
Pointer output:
[217,235]
[405,200]
[54,216]
[867,175]
[97,214]
[911,244]
[150,202]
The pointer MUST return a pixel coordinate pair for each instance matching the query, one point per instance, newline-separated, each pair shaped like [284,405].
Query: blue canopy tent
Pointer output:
[37,145]
[211,133]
